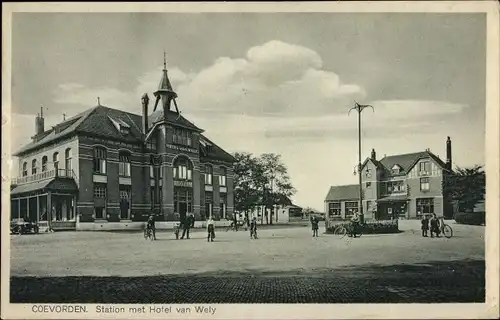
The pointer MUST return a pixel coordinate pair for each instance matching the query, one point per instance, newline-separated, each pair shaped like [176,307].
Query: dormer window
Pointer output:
[396,169]
[120,125]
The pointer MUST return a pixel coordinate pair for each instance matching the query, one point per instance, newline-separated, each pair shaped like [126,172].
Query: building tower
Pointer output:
[165,93]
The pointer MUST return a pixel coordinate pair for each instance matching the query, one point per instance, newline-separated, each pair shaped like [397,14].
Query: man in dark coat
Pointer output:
[186,225]
[425,226]
[434,226]
[315,226]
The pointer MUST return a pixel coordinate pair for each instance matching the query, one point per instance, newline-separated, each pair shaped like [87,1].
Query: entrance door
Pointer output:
[124,204]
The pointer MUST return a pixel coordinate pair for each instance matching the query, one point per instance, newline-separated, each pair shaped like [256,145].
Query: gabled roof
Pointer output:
[408,161]
[346,192]
[209,150]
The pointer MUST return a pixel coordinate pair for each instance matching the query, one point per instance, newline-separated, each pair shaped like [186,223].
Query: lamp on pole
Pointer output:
[359,108]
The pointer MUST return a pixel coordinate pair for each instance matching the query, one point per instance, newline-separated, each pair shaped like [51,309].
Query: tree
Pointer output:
[275,183]
[246,173]
[466,186]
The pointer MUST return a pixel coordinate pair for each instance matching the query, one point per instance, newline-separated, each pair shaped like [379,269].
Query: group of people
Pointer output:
[434,224]
[188,222]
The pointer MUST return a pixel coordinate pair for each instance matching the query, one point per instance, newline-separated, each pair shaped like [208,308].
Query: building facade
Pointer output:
[107,165]
[404,186]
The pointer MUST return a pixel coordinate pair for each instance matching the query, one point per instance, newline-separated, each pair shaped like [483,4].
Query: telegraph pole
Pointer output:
[359,108]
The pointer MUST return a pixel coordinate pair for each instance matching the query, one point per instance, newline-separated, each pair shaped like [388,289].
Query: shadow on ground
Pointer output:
[437,282]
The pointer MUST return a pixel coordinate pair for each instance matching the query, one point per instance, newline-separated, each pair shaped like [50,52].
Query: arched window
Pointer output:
[55,160]
[222,177]
[67,159]
[100,155]
[44,163]
[183,169]
[208,174]
[33,166]
[124,165]
[25,169]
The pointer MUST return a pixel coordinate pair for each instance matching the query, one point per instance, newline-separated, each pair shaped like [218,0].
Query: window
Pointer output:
[222,177]
[151,171]
[209,199]
[223,205]
[33,166]
[44,163]
[183,200]
[55,160]
[100,160]
[183,169]
[424,167]
[25,169]
[425,206]
[334,209]
[151,144]
[369,206]
[393,187]
[208,174]
[100,191]
[124,164]
[152,190]
[351,207]
[67,157]
[183,137]
[424,184]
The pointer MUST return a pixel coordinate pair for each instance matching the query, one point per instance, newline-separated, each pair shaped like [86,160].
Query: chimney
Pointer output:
[145,102]
[448,154]
[374,155]
[39,123]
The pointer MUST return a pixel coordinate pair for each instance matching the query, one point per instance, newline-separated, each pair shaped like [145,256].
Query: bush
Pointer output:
[370,226]
[471,218]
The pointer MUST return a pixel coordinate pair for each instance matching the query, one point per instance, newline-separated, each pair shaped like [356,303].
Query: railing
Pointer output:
[64,173]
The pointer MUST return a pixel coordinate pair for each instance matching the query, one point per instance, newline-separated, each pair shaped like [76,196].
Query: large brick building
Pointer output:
[106,165]
[400,186]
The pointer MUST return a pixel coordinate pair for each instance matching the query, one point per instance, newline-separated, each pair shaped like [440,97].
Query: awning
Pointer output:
[397,198]
[54,184]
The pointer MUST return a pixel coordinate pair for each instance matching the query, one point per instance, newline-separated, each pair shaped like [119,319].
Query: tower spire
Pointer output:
[165,92]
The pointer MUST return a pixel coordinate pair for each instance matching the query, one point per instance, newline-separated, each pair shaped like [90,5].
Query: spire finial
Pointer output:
[98,101]
[164,59]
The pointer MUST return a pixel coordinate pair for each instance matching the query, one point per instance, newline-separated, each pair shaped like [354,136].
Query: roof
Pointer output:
[346,192]
[172,118]
[59,184]
[407,161]
[393,198]
[209,150]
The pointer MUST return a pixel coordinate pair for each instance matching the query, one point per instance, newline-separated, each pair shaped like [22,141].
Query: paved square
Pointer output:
[284,265]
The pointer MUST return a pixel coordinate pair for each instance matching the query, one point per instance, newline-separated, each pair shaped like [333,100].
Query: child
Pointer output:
[150,225]
[253,228]
[210,229]
[315,224]
[425,225]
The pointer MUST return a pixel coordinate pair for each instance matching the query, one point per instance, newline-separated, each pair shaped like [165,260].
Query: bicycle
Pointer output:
[148,234]
[447,231]
[341,230]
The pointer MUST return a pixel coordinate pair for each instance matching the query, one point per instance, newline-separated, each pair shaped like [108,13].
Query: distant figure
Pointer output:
[315,225]
[425,225]
[186,225]
[192,220]
[150,225]
[253,228]
[354,224]
[434,226]
[210,229]
[235,222]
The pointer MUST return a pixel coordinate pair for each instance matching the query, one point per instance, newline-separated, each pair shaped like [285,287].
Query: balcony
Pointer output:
[62,173]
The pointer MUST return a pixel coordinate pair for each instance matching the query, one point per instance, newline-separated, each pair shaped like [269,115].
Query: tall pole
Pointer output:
[359,108]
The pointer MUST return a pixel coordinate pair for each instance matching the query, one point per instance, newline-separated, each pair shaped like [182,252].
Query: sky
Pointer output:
[269,82]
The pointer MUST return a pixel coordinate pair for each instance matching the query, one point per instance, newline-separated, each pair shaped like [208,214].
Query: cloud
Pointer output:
[274,79]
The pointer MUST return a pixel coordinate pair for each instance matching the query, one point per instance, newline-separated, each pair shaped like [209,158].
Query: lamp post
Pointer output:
[359,108]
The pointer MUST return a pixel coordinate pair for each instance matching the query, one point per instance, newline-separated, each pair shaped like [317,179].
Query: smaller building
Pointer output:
[342,201]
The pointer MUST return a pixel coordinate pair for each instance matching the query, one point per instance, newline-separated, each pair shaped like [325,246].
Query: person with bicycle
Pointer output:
[354,224]
[150,226]
[253,228]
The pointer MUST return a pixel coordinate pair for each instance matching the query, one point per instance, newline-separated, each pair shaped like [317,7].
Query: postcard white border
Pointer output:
[288,311]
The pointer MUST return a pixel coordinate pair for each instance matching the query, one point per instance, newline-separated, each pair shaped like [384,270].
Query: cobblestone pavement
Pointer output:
[284,265]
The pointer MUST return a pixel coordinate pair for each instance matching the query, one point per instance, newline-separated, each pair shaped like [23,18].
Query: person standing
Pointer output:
[425,225]
[210,229]
[315,226]
[186,225]
[150,225]
[434,226]
[253,228]
[235,222]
